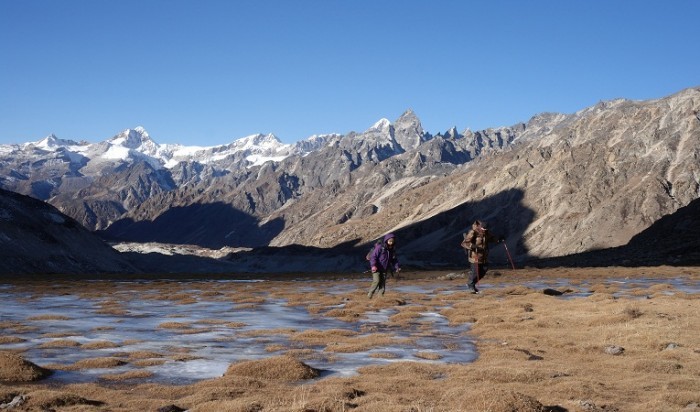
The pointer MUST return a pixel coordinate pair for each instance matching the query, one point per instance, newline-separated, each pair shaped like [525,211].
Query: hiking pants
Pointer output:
[378,283]
[478,272]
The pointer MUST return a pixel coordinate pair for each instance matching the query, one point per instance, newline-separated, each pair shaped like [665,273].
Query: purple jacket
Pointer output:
[383,257]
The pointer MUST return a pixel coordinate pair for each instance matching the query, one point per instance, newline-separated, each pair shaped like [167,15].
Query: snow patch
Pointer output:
[382,124]
[257,160]
[116,153]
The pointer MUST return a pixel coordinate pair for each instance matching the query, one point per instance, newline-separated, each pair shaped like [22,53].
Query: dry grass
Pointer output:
[283,367]
[10,339]
[48,317]
[535,352]
[59,343]
[102,344]
[137,374]
[92,363]
[14,368]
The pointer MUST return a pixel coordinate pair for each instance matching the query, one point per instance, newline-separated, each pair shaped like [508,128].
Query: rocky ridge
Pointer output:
[35,238]
[556,186]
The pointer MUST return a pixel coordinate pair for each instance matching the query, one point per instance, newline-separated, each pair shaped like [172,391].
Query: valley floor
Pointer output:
[559,339]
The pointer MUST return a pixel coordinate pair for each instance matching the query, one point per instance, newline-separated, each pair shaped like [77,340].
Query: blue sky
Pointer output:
[211,71]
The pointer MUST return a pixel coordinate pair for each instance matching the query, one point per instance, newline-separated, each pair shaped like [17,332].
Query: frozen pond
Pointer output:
[65,326]
[195,332]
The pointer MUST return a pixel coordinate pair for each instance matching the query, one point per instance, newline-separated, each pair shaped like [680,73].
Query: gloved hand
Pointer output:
[374,268]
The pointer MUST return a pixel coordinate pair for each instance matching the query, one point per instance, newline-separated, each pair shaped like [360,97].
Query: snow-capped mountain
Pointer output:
[136,144]
[97,183]
[133,144]
[51,142]
[550,184]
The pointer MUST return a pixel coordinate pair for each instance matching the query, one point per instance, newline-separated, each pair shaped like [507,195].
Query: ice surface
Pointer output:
[209,351]
[216,331]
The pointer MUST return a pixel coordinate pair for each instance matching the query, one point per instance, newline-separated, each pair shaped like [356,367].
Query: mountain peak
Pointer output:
[408,114]
[266,141]
[132,138]
[51,142]
[381,124]
[409,131]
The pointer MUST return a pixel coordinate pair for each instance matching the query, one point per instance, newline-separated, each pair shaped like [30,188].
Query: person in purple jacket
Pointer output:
[383,259]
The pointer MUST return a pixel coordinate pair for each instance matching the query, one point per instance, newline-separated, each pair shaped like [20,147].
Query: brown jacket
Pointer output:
[476,243]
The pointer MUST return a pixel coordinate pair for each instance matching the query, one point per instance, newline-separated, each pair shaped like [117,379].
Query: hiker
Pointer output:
[476,245]
[383,259]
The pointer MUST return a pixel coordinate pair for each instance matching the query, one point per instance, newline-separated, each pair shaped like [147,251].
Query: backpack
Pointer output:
[477,235]
[368,256]
[465,241]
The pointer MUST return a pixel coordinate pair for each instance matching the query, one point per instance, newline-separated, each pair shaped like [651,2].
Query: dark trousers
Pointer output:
[378,283]
[478,272]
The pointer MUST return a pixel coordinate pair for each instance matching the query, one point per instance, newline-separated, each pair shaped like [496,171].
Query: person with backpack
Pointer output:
[382,259]
[476,245]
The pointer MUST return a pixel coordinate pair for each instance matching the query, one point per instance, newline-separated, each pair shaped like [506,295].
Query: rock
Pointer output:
[614,350]
[16,401]
[171,408]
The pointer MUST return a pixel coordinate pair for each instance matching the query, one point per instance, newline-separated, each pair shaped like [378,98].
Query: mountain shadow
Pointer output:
[672,240]
[435,242]
[37,239]
[210,225]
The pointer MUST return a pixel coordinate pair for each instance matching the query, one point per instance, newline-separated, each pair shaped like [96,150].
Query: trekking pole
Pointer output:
[508,253]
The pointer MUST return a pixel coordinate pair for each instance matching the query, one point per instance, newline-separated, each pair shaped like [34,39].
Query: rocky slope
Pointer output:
[557,186]
[568,184]
[35,238]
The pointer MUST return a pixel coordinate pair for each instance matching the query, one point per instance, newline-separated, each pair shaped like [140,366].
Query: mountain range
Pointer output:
[557,186]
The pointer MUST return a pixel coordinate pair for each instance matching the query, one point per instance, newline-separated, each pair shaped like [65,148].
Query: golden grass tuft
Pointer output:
[60,343]
[144,363]
[405,318]
[11,339]
[283,367]
[275,348]
[428,355]
[9,324]
[14,368]
[100,344]
[56,335]
[322,337]
[344,314]
[136,374]
[48,317]
[97,363]
[173,325]
[384,355]
[49,400]
[144,355]
[365,342]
